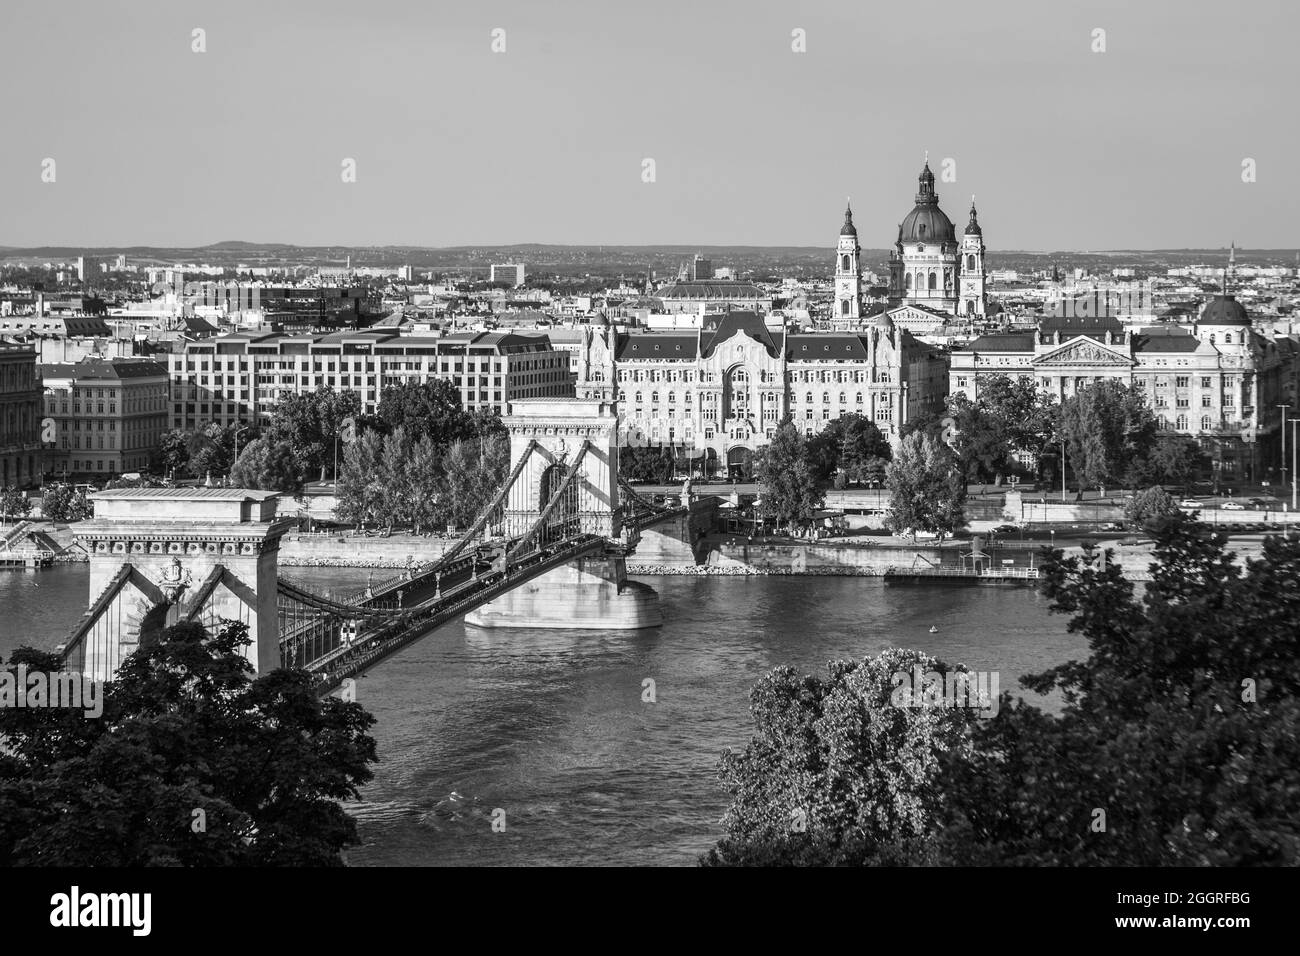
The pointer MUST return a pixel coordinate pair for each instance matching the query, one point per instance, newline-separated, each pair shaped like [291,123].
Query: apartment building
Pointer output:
[109,415]
[20,415]
[242,377]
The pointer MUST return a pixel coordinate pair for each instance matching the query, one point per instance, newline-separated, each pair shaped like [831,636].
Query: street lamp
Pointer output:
[1294,436]
[241,428]
[1285,409]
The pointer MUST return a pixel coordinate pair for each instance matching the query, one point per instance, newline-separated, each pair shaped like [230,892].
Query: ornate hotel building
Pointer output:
[1219,381]
[723,389]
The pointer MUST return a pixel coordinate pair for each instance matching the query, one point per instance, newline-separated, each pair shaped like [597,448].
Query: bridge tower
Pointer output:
[161,555]
[588,593]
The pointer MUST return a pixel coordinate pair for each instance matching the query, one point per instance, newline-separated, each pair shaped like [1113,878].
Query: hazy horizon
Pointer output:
[1139,148]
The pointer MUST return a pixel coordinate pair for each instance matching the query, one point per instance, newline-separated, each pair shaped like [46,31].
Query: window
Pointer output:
[1181,423]
[1181,381]
[1205,381]
[1205,423]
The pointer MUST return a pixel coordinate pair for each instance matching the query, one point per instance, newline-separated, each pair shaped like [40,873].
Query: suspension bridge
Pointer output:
[547,550]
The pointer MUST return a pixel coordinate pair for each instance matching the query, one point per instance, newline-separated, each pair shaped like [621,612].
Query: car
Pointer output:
[1006,529]
[1232,506]
[1203,484]
[1257,503]
[1189,503]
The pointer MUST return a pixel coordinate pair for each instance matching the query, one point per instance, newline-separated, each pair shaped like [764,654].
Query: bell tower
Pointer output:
[971,299]
[848,270]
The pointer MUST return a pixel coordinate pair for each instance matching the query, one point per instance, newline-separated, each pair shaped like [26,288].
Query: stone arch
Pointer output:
[549,483]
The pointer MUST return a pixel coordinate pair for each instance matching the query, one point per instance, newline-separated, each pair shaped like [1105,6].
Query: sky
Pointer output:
[1139,146]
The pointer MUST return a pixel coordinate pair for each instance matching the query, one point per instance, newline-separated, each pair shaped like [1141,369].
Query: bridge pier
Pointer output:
[158,556]
[587,594]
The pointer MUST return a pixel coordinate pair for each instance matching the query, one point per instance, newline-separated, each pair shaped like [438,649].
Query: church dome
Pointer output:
[1224,310]
[926,222]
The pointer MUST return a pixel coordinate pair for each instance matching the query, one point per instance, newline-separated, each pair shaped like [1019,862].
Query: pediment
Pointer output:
[1083,351]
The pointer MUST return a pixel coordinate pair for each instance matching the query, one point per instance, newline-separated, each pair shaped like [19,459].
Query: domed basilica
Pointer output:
[932,273]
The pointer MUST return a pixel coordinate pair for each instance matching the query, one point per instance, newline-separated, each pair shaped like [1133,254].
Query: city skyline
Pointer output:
[754,144]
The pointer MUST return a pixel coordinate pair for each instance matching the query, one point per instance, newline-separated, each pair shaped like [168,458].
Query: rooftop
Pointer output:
[185,494]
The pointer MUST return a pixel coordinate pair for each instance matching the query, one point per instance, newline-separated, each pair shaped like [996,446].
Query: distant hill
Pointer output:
[608,260]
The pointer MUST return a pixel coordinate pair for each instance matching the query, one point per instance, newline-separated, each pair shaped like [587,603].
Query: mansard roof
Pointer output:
[1001,342]
[656,345]
[719,327]
[702,289]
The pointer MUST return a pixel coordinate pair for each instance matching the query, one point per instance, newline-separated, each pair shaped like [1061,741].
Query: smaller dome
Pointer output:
[848,229]
[973,227]
[884,322]
[1224,310]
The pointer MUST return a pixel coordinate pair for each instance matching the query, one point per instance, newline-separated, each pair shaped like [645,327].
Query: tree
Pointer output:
[1183,724]
[472,473]
[432,409]
[193,762]
[424,468]
[1152,503]
[646,463]
[927,491]
[14,504]
[1023,413]
[791,491]
[268,466]
[836,771]
[979,439]
[395,478]
[312,424]
[1173,459]
[930,422]
[173,452]
[852,445]
[360,487]
[64,504]
[1107,427]
[1007,416]
[211,450]
[1178,743]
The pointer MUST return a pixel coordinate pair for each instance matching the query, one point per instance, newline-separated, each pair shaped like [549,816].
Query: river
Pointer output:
[549,726]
